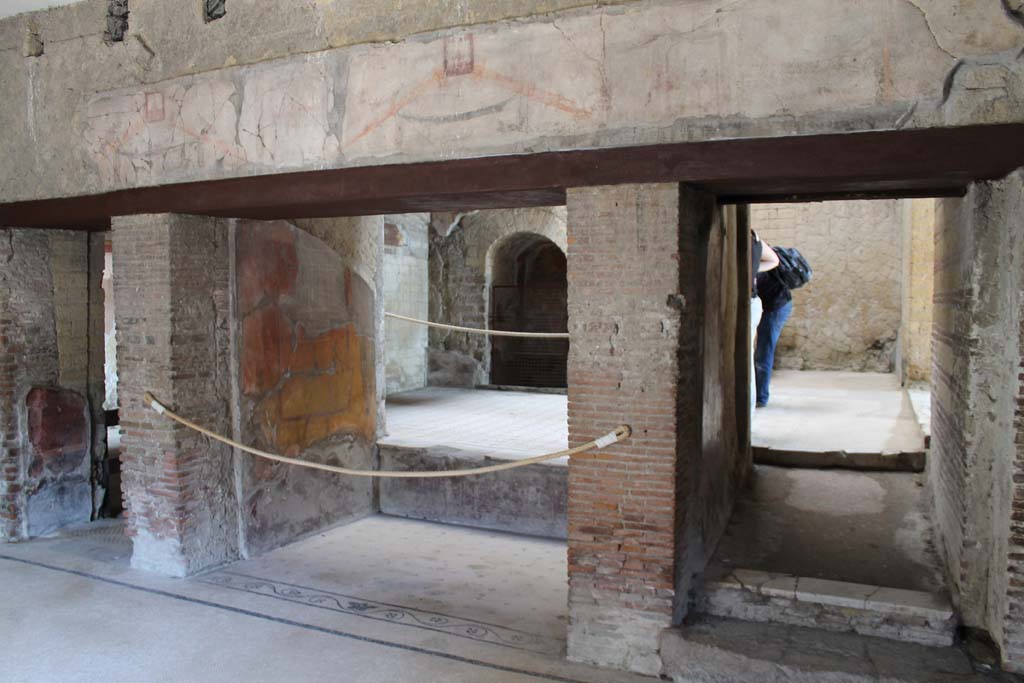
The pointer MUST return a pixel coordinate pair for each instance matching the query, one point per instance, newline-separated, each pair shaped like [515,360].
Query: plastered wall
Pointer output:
[405,293]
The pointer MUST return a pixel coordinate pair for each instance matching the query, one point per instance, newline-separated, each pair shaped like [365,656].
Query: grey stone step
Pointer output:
[903,461]
[896,614]
[716,650]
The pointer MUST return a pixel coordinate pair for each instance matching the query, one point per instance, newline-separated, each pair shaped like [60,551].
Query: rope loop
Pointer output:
[618,434]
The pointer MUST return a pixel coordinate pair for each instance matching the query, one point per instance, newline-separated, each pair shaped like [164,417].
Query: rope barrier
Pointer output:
[618,434]
[476,330]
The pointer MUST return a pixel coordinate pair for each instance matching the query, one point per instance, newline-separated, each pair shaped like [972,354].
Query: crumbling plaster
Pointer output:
[306,328]
[976,395]
[182,100]
[46,480]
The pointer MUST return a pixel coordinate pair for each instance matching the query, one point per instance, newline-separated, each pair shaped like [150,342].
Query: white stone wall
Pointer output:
[405,293]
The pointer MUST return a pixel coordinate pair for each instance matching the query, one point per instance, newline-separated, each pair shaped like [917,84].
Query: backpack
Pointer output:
[793,271]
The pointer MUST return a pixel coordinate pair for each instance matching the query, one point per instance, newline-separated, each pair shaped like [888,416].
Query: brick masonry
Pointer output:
[171,289]
[638,258]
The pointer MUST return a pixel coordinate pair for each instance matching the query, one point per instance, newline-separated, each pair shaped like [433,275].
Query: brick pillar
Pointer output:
[636,264]
[171,291]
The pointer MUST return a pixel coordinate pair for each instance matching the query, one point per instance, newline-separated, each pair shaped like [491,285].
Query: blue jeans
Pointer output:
[768,332]
[755,320]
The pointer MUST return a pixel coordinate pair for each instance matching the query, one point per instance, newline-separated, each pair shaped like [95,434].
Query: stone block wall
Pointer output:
[405,293]
[306,329]
[848,316]
[460,250]
[46,457]
[172,297]
[918,272]
[975,469]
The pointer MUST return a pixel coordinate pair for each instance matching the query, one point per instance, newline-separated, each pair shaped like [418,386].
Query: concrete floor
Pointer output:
[506,424]
[853,412]
[382,599]
[861,527]
[810,412]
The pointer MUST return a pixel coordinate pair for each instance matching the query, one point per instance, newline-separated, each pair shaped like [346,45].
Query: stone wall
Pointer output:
[47,437]
[848,316]
[306,330]
[172,293]
[975,466]
[917,279]
[461,251]
[340,84]
[405,293]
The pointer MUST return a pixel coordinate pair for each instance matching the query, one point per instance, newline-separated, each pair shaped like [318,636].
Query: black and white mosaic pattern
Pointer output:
[346,604]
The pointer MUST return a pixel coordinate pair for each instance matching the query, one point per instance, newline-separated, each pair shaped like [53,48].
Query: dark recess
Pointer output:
[117,21]
[214,9]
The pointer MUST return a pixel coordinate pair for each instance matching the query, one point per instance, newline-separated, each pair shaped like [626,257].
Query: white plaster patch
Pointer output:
[162,133]
[285,115]
[851,494]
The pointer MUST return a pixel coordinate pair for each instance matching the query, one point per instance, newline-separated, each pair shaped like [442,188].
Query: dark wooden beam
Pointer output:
[929,162]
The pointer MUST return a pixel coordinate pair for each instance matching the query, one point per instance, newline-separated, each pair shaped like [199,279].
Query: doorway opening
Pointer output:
[528,293]
[837,506]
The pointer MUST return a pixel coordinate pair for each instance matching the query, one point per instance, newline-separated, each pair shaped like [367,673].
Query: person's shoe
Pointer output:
[761,405]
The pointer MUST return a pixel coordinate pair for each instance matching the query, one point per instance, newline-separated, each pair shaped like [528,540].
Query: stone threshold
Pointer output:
[893,613]
[906,461]
[715,649]
[561,391]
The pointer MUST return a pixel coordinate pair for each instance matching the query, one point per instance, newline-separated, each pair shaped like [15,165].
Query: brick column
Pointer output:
[636,264]
[171,291]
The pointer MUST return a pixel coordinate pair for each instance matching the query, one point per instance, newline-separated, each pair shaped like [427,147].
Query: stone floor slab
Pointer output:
[858,420]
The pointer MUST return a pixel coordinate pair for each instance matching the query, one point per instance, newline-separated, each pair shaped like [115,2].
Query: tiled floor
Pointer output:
[508,424]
